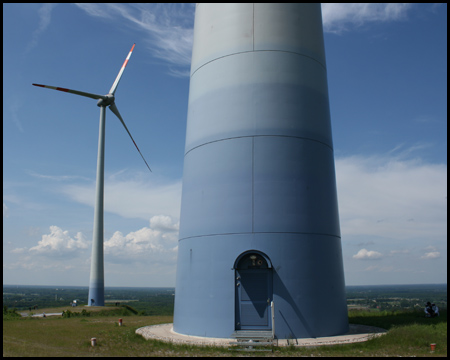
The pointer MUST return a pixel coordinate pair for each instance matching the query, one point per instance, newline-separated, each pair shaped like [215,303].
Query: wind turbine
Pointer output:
[97,280]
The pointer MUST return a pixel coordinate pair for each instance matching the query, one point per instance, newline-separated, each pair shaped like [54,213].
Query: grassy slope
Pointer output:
[55,336]
[409,335]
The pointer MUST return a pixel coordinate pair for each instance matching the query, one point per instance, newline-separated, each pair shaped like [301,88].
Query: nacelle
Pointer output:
[106,102]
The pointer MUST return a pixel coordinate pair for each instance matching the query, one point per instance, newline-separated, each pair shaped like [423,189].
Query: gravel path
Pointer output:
[41,315]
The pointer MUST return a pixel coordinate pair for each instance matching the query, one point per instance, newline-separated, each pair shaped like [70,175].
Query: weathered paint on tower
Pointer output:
[259,214]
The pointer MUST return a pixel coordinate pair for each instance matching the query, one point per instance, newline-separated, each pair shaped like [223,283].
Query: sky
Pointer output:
[387,78]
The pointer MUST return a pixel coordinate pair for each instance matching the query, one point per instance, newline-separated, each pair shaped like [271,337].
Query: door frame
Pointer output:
[267,267]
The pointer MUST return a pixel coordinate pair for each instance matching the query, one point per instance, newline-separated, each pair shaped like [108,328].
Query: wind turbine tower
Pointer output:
[97,277]
[259,223]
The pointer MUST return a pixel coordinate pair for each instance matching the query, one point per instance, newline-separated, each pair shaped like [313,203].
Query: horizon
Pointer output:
[173,287]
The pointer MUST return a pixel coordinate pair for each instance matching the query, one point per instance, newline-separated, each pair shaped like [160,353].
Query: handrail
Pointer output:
[273,319]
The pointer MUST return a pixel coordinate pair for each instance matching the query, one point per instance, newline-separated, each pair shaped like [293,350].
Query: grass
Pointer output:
[56,336]
[410,334]
[388,319]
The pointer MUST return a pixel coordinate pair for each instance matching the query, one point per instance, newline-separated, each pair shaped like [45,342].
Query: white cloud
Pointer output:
[154,244]
[59,242]
[430,248]
[45,15]
[169,28]
[15,106]
[158,241]
[5,211]
[151,250]
[390,197]
[371,268]
[19,250]
[57,177]
[338,17]
[431,255]
[366,254]
[97,10]
[395,252]
[132,198]
[163,223]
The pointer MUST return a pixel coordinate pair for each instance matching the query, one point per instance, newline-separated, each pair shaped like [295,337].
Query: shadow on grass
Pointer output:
[388,319]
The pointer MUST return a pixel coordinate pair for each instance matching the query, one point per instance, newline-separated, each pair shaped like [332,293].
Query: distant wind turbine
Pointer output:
[97,279]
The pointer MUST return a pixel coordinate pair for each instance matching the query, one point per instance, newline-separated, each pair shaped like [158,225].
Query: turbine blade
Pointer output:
[114,109]
[116,82]
[76,92]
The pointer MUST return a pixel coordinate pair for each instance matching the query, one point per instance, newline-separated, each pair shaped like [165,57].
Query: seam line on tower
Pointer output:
[253,136]
[253,27]
[259,232]
[250,51]
[253,184]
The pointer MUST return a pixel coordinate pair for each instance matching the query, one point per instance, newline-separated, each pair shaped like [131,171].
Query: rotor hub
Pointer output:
[109,100]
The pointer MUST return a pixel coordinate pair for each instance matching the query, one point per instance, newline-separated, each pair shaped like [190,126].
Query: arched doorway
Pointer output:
[253,281]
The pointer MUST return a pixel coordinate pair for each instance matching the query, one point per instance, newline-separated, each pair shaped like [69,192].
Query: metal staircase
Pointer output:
[252,340]
[255,340]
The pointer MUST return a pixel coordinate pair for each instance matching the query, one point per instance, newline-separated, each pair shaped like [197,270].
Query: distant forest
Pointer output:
[147,301]
[160,301]
[392,297]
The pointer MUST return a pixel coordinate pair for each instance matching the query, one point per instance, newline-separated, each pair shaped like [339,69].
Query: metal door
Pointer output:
[253,297]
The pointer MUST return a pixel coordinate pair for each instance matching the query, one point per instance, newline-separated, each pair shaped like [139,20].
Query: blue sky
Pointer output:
[387,77]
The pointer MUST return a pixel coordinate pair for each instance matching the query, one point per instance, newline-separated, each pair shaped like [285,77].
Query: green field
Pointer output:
[410,334]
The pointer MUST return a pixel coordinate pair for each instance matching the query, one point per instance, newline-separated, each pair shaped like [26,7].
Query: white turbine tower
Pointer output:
[97,280]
